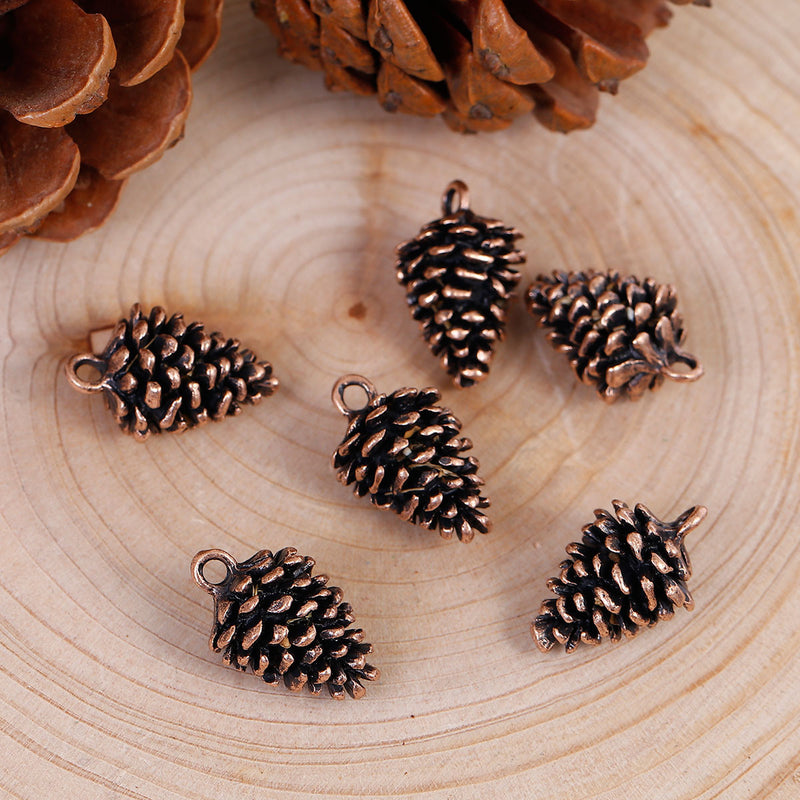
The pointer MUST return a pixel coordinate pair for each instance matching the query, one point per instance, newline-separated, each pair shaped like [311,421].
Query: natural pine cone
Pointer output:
[273,617]
[159,374]
[90,92]
[458,277]
[621,335]
[479,63]
[404,451]
[628,573]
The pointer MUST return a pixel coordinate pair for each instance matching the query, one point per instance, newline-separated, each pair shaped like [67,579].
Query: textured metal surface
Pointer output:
[160,374]
[621,335]
[459,273]
[628,572]
[276,619]
[404,452]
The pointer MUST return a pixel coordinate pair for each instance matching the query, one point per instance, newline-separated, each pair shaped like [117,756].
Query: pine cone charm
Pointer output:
[621,335]
[459,275]
[273,617]
[480,64]
[629,572]
[404,451]
[91,91]
[159,374]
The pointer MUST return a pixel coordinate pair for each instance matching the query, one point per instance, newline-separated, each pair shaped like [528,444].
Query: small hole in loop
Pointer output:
[347,382]
[89,373]
[215,571]
[455,198]
[78,373]
[218,577]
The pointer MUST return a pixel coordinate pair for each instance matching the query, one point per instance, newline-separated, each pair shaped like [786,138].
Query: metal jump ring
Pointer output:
[76,362]
[457,191]
[199,562]
[695,369]
[344,383]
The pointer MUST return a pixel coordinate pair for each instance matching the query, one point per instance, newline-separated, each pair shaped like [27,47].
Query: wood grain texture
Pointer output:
[275,220]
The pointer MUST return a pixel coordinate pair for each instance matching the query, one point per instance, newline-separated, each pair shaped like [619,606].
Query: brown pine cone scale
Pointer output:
[90,92]
[478,63]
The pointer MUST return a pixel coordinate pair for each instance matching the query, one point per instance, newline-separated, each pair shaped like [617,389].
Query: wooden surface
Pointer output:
[275,220]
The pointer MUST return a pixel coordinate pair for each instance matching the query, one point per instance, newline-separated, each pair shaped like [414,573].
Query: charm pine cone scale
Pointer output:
[273,617]
[478,63]
[405,453]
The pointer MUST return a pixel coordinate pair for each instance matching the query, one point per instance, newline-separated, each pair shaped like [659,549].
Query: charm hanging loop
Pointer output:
[455,198]
[206,556]
[86,359]
[695,369]
[343,384]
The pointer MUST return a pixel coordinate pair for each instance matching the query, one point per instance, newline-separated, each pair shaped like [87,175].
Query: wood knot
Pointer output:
[357,310]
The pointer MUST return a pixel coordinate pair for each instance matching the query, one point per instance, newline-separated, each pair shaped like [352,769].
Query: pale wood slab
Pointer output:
[275,220]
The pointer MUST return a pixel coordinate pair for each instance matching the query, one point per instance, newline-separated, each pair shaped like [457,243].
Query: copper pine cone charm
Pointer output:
[91,91]
[273,617]
[478,63]
[458,275]
[159,374]
[404,451]
[621,335]
[628,572]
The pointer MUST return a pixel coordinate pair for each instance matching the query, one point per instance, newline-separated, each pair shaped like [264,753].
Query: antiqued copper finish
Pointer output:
[346,382]
[404,452]
[620,334]
[276,619]
[159,374]
[628,572]
[479,64]
[459,275]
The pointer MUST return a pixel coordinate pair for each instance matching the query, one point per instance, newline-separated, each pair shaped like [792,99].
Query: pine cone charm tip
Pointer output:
[628,572]
[621,335]
[159,374]
[459,274]
[273,617]
[404,451]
